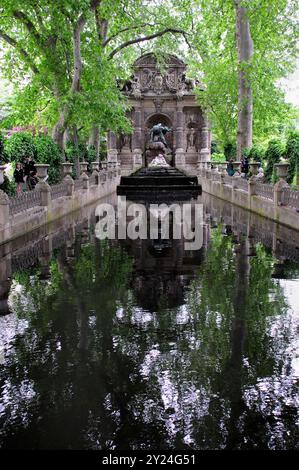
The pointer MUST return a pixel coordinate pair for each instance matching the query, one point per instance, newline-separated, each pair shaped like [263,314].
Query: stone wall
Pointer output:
[277,203]
[45,204]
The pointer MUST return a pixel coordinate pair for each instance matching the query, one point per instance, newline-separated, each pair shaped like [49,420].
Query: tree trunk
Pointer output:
[58,130]
[75,139]
[60,126]
[245,105]
[94,140]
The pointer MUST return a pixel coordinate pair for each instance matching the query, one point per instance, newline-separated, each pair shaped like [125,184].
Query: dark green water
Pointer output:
[134,345]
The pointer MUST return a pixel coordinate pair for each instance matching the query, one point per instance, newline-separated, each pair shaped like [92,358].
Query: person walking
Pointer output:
[19,178]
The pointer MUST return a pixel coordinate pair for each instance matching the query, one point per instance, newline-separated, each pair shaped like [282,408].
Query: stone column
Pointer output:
[112,147]
[205,150]
[179,138]
[137,137]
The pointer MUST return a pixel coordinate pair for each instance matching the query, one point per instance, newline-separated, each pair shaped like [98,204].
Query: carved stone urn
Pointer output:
[41,170]
[67,169]
[83,167]
[254,166]
[282,170]
[95,166]
[237,166]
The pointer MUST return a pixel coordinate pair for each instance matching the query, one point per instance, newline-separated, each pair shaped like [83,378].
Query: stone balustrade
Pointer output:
[24,201]
[32,209]
[277,202]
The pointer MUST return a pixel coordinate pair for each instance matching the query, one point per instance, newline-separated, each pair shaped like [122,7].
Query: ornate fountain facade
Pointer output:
[167,98]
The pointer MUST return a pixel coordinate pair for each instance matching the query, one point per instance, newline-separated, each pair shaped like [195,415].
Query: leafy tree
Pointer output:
[273,154]
[60,49]
[19,146]
[274,29]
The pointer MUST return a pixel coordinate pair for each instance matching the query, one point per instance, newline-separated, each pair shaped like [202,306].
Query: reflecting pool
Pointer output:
[144,345]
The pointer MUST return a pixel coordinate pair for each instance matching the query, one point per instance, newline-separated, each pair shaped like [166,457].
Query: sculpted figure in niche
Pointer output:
[125,141]
[158,132]
[191,138]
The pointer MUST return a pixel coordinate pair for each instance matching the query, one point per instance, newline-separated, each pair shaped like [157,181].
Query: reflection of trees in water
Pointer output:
[204,361]
[91,368]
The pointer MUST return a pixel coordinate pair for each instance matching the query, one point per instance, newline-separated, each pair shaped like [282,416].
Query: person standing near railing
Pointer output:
[19,178]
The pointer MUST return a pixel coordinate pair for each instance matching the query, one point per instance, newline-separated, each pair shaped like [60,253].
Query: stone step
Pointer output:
[158,180]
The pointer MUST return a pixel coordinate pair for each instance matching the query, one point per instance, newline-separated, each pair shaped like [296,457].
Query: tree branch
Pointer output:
[22,51]
[129,28]
[145,38]
[19,15]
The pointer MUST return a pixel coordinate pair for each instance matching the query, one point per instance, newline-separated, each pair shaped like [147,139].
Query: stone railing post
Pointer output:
[251,190]
[254,166]
[282,171]
[4,216]
[95,172]
[43,187]
[252,186]
[45,193]
[70,185]
[85,181]
[103,177]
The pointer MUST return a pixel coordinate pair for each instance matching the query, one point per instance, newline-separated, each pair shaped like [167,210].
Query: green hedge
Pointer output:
[273,154]
[256,153]
[46,151]
[292,154]
[41,148]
